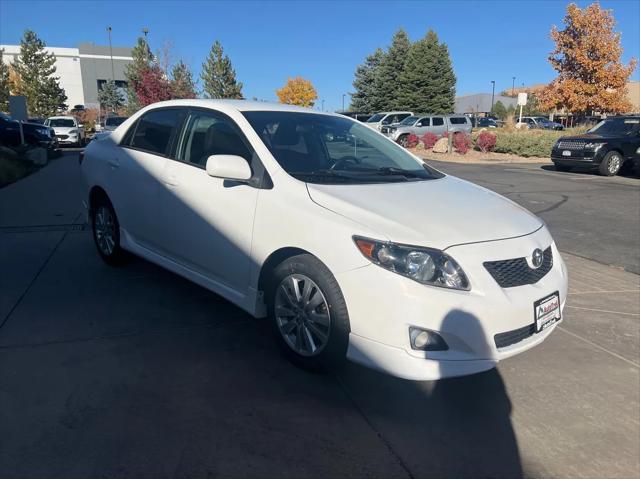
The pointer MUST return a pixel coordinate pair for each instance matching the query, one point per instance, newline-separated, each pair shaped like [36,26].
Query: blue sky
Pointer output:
[321,41]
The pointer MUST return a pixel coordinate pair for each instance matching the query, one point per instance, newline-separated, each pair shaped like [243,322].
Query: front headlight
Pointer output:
[43,131]
[594,145]
[73,132]
[424,265]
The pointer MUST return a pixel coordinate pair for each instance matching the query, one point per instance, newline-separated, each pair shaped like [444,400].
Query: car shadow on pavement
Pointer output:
[625,173]
[456,427]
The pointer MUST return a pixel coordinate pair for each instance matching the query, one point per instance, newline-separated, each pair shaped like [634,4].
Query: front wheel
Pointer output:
[610,164]
[403,141]
[308,313]
[106,233]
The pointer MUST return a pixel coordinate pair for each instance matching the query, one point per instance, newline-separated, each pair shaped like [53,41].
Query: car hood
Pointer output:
[63,130]
[436,213]
[588,136]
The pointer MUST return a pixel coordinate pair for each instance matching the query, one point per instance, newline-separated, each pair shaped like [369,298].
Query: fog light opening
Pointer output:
[425,340]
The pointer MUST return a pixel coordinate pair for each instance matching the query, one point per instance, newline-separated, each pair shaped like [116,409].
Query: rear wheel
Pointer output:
[611,164]
[106,233]
[308,313]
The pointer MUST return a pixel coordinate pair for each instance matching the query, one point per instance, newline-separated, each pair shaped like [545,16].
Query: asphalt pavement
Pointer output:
[134,372]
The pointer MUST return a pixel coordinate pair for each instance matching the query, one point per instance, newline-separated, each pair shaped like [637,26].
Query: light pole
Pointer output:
[343,95]
[493,91]
[113,75]
[322,105]
[513,86]
[145,30]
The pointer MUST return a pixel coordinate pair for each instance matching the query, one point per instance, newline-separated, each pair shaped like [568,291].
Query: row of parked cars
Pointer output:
[52,132]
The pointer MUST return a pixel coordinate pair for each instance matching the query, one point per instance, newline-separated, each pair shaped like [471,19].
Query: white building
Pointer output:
[83,70]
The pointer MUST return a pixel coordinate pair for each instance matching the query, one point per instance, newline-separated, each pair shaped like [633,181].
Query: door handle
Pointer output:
[171,180]
[114,163]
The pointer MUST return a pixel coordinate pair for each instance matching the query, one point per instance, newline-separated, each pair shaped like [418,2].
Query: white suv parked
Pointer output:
[379,120]
[67,130]
[352,246]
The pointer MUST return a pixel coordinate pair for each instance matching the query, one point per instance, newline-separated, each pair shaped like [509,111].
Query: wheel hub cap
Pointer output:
[104,227]
[302,315]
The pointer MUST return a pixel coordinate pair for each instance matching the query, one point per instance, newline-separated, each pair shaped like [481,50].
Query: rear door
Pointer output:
[438,125]
[136,171]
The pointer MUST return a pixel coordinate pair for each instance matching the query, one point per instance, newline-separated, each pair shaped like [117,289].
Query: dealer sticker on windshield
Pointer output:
[547,311]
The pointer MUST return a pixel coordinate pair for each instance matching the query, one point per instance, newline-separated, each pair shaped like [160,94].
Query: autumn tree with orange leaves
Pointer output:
[298,91]
[591,76]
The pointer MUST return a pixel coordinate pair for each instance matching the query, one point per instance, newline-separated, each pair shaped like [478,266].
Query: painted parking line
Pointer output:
[602,310]
[597,346]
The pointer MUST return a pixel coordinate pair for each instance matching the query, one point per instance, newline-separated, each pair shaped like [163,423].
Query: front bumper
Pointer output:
[577,157]
[383,305]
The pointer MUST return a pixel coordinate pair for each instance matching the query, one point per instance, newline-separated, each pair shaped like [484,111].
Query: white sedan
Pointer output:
[353,247]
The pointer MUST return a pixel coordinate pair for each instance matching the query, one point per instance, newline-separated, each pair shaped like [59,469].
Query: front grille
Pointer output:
[62,137]
[503,340]
[516,272]
[571,145]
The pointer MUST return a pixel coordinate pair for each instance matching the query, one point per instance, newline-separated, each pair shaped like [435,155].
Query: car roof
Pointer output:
[62,117]
[239,105]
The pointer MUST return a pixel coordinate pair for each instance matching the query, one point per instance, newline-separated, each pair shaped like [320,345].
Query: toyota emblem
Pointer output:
[537,257]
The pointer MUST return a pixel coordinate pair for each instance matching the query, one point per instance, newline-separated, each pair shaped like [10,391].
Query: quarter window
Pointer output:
[211,134]
[437,121]
[458,120]
[155,129]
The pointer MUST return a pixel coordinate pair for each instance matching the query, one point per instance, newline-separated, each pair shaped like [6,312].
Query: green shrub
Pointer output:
[529,142]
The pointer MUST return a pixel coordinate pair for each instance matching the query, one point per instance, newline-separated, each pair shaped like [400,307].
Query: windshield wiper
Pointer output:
[325,174]
[393,171]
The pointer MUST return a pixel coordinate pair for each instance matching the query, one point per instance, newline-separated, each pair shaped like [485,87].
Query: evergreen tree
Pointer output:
[142,60]
[218,75]
[4,84]
[391,67]
[182,84]
[500,110]
[35,68]
[427,83]
[110,97]
[367,97]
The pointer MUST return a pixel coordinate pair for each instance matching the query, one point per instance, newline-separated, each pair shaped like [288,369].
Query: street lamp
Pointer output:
[322,105]
[513,86]
[343,95]
[493,91]
[113,75]
[145,31]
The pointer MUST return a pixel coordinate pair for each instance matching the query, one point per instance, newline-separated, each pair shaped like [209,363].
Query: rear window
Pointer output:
[437,121]
[115,120]
[458,120]
[155,129]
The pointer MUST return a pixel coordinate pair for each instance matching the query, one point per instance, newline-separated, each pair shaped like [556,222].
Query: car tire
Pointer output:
[610,164]
[402,141]
[562,167]
[307,310]
[106,233]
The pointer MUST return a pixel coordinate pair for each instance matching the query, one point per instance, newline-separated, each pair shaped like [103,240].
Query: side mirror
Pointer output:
[230,167]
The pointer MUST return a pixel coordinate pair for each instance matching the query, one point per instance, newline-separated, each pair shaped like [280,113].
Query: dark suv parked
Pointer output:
[609,146]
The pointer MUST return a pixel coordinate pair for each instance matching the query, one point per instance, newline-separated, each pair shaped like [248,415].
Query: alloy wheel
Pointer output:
[302,315]
[614,164]
[105,230]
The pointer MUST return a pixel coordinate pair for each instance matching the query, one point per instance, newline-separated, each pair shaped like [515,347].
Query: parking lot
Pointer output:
[135,372]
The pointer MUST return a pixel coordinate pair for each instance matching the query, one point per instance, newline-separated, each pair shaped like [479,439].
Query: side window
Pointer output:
[155,129]
[458,120]
[128,136]
[207,134]
[402,116]
[424,122]
[437,121]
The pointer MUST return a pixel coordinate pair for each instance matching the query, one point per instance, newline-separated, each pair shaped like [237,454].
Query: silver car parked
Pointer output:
[421,124]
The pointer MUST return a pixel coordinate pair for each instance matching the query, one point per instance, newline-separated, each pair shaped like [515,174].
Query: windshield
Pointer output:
[115,121]
[410,120]
[541,119]
[326,149]
[60,122]
[616,126]
[376,118]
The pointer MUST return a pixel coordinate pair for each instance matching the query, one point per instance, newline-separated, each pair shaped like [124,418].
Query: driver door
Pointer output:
[207,221]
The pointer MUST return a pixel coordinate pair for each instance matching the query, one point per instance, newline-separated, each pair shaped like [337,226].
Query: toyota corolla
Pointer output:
[350,245]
